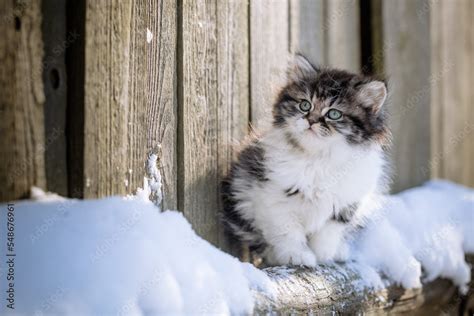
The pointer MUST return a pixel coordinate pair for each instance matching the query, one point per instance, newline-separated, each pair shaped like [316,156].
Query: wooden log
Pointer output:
[213,98]
[130,96]
[452,32]
[22,141]
[338,289]
[407,65]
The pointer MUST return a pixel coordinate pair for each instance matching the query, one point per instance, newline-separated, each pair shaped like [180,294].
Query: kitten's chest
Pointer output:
[340,180]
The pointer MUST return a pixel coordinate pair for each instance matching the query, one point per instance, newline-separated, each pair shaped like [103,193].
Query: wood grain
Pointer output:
[269,52]
[198,134]
[156,125]
[307,34]
[337,289]
[233,89]
[107,50]
[22,141]
[213,104]
[130,95]
[407,64]
[342,28]
[452,153]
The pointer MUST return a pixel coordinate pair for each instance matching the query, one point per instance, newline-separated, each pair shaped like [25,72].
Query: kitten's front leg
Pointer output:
[287,240]
[328,243]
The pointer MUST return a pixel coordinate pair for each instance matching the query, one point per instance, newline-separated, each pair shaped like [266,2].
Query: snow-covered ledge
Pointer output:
[152,262]
[339,289]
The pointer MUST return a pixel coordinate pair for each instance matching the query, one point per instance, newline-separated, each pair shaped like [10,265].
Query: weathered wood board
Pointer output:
[452,93]
[129,96]
[233,89]
[213,104]
[22,140]
[342,28]
[407,66]
[106,97]
[269,52]
[307,29]
[160,121]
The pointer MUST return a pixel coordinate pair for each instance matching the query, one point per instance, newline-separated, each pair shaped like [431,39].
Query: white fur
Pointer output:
[329,173]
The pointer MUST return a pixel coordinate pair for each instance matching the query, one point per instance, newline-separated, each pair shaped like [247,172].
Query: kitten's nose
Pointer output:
[312,120]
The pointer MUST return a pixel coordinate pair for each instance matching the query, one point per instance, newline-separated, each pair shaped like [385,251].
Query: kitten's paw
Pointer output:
[325,250]
[304,257]
[342,254]
[296,256]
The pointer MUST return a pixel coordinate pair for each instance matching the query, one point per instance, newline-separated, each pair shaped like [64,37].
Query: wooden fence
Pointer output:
[88,89]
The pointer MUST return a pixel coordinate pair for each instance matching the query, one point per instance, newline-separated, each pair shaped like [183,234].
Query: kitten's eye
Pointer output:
[305,106]
[334,114]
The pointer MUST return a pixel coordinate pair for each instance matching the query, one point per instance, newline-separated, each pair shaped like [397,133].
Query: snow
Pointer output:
[149,36]
[120,256]
[123,256]
[430,226]
[153,182]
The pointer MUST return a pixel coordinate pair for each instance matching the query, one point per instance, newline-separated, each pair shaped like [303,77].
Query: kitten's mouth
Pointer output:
[314,128]
[315,131]
[319,130]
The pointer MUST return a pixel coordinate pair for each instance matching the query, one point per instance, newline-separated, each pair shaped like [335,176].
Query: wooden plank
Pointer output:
[159,124]
[326,31]
[435,164]
[453,114]
[232,84]
[342,29]
[408,35]
[198,118]
[269,47]
[213,102]
[130,95]
[56,40]
[106,96]
[379,47]
[307,29]
[22,141]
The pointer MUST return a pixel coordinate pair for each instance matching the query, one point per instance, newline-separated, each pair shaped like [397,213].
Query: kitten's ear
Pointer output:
[300,67]
[373,95]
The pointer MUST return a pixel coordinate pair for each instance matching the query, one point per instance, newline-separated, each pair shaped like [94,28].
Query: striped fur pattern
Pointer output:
[296,192]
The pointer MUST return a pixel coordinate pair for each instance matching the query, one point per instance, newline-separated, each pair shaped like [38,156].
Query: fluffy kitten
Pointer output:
[296,192]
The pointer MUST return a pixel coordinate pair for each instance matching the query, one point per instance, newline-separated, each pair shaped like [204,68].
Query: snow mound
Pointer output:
[430,226]
[122,256]
[119,256]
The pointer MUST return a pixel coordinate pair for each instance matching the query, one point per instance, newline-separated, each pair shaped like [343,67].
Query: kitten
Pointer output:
[296,192]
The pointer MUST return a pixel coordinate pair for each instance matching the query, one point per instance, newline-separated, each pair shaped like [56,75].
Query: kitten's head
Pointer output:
[328,106]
